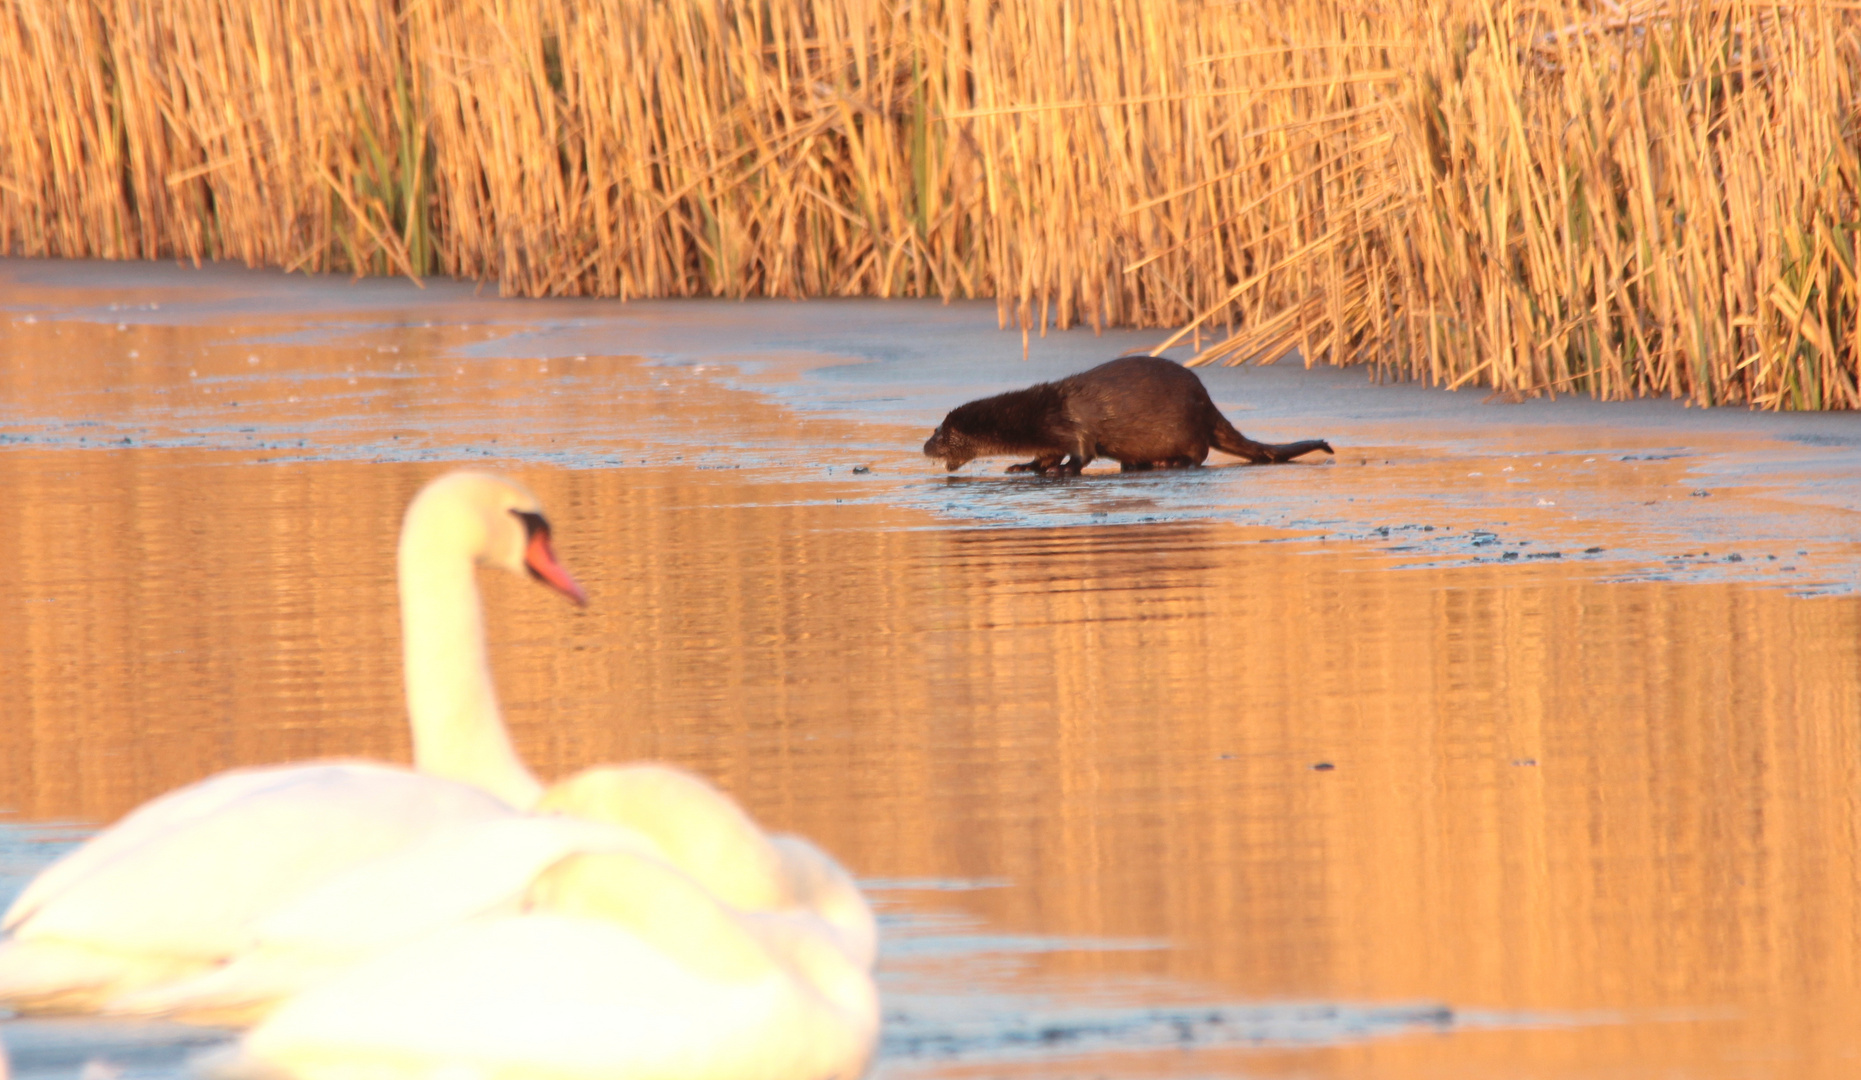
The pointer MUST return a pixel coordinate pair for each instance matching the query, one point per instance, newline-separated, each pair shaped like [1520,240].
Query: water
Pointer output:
[1238,772]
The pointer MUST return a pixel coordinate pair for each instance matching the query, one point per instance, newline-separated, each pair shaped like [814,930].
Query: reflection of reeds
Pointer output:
[1654,196]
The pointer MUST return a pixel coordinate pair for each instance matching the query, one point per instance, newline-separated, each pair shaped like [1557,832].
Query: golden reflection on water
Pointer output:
[1630,807]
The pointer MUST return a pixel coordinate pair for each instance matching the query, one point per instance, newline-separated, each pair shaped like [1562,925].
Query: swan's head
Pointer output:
[488,519]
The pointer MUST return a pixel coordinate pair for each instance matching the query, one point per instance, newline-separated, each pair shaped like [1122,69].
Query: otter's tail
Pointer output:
[1230,441]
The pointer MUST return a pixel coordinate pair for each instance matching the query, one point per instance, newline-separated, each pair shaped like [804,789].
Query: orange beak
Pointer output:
[541,560]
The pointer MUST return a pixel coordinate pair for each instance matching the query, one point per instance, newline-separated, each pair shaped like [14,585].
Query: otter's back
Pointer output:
[1141,408]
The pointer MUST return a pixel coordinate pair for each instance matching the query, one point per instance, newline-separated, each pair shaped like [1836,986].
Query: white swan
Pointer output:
[459,733]
[179,884]
[623,968]
[482,868]
[147,918]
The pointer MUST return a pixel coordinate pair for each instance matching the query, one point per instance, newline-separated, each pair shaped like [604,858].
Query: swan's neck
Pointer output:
[452,706]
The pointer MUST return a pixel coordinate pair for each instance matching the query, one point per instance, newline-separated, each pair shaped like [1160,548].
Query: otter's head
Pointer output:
[952,442]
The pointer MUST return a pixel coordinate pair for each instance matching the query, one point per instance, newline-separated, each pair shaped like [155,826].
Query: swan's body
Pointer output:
[466,872]
[623,969]
[178,886]
[181,883]
[485,868]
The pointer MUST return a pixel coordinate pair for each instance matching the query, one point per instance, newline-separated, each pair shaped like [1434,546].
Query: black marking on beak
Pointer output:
[534,525]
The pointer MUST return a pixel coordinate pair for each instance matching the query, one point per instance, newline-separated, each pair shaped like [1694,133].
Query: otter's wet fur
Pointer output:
[1143,412]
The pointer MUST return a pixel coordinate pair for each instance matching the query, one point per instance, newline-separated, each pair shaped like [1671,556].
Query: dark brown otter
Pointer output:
[1142,412]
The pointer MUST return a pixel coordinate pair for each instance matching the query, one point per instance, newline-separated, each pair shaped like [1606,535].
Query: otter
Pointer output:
[1144,412]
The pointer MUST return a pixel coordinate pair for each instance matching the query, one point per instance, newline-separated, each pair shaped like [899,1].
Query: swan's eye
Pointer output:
[534,525]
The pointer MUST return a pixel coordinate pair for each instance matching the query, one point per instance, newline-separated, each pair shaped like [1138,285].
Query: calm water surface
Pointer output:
[1179,797]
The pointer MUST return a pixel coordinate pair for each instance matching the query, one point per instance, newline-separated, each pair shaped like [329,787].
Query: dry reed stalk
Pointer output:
[1657,198]
[279,133]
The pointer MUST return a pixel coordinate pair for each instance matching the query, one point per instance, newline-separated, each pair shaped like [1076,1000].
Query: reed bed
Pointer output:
[1613,198]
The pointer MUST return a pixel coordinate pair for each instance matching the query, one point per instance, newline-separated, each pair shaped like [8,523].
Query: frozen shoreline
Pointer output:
[1668,492]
